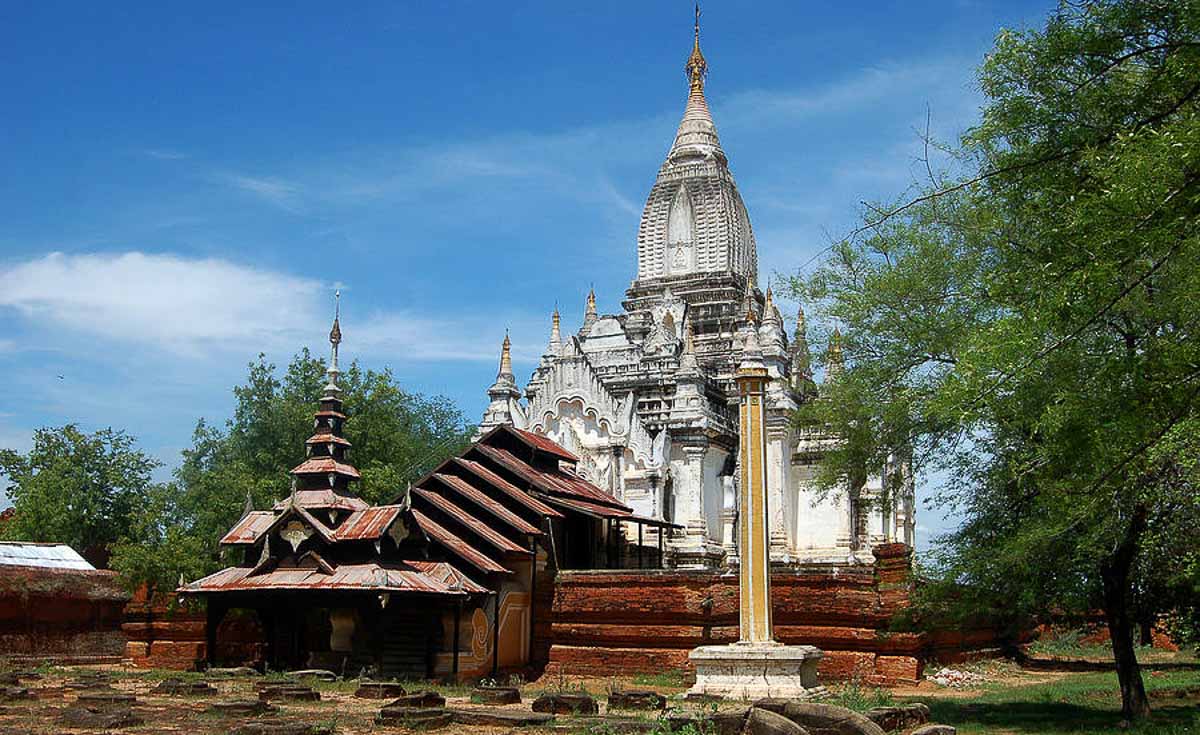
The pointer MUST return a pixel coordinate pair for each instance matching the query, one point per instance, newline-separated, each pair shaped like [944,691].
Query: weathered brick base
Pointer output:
[620,622]
[61,615]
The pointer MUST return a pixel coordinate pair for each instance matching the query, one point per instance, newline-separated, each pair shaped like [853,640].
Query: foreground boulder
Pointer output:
[822,719]
[565,704]
[899,718]
[765,722]
[496,695]
[636,699]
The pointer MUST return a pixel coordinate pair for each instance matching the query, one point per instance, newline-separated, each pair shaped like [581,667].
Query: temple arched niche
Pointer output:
[681,234]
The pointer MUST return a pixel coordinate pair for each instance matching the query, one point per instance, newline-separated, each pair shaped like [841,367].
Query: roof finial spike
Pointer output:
[335,339]
[696,67]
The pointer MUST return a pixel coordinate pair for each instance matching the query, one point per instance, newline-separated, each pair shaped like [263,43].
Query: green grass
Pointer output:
[1073,703]
[673,678]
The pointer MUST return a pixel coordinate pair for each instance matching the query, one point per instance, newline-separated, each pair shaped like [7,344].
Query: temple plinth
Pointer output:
[756,666]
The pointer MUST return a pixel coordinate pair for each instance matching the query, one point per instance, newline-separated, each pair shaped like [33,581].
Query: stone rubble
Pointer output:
[956,678]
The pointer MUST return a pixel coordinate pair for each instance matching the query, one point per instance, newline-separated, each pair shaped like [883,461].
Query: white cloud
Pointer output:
[281,193]
[206,306]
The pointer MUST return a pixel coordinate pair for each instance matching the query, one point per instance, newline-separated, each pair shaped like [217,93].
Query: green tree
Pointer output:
[396,437]
[76,488]
[1029,329]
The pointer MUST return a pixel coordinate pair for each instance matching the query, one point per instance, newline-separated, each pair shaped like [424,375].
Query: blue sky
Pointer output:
[183,185]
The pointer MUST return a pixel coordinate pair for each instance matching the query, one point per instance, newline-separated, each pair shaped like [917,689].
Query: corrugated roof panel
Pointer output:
[480,528]
[545,444]
[372,577]
[249,528]
[466,490]
[367,524]
[47,556]
[445,538]
[487,475]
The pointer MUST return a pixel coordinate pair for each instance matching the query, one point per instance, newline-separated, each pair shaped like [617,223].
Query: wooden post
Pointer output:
[496,636]
[640,527]
[454,657]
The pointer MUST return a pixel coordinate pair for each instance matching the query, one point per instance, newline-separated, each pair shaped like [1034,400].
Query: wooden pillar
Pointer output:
[454,657]
[496,635]
[640,527]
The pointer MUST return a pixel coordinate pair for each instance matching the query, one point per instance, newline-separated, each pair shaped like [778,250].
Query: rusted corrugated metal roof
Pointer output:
[506,487]
[327,438]
[477,526]
[249,528]
[367,524]
[324,465]
[456,545]
[324,498]
[604,511]
[545,444]
[553,484]
[448,575]
[370,577]
[465,489]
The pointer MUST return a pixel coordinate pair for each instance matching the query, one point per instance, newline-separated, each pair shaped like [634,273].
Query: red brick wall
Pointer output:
[618,622]
[60,614]
[163,633]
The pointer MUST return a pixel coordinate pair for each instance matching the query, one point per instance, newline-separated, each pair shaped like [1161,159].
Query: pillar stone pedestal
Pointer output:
[756,666]
[757,670]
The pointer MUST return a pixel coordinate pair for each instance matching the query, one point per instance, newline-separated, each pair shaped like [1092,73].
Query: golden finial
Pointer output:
[750,315]
[770,299]
[696,67]
[591,301]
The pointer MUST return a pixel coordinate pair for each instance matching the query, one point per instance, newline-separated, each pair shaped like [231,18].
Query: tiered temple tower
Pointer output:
[647,398]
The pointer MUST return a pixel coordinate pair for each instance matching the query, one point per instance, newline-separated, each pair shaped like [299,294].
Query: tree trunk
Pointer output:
[1115,571]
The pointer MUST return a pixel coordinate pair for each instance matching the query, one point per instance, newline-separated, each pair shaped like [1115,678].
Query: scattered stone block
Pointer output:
[499,717]
[637,699]
[280,727]
[822,719]
[418,700]
[269,684]
[292,693]
[109,700]
[99,718]
[180,687]
[899,718]
[318,674]
[496,695]
[566,704]
[935,730]
[12,694]
[242,708]
[379,690]
[766,722]
[414,719]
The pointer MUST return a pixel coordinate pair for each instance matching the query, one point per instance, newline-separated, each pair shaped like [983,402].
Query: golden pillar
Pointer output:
[754,534]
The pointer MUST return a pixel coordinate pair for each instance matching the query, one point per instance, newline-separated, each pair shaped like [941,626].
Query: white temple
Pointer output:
[646,398]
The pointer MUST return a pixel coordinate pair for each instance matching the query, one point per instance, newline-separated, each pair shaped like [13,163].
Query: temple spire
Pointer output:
[836,361]
[506,371]
[589,313]
[555,346]
[697,134]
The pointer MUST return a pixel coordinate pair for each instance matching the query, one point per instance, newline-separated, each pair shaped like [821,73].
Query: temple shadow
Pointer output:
[1053,717]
